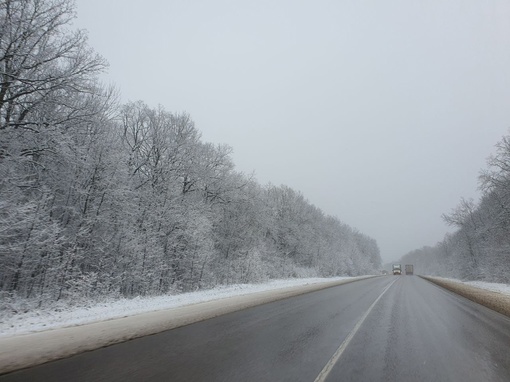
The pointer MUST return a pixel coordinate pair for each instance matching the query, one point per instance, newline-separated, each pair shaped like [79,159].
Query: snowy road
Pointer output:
[385,328]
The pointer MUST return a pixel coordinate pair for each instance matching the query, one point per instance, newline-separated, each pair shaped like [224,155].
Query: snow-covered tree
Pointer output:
[98,199]
[480,248]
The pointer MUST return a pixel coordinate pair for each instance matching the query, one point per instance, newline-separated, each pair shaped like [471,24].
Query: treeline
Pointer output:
[480,248]
[100,199]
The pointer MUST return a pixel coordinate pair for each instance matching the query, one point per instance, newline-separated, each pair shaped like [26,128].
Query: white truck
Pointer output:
[397,269]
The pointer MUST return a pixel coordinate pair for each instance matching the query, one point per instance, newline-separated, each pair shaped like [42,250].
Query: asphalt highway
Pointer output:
[392,328]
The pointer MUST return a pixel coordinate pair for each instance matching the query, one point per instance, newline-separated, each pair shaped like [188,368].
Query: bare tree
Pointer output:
[42,64]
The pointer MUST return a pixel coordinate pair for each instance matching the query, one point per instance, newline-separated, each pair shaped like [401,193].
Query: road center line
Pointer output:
[338,353]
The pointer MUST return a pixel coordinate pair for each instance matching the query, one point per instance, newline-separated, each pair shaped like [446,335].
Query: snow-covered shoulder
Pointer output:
[61,316]
[494,287]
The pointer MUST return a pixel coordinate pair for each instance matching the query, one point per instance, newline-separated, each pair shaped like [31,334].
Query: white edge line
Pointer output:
[338,353]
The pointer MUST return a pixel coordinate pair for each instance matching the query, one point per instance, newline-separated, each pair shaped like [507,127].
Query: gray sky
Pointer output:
[381,113]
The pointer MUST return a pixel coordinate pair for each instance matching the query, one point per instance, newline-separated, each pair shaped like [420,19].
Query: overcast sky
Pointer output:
[381,113]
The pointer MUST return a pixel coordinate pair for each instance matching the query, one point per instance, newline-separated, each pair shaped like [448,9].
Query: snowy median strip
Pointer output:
[100,326]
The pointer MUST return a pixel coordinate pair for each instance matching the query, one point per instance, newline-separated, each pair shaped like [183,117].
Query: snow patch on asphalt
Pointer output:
[61,316]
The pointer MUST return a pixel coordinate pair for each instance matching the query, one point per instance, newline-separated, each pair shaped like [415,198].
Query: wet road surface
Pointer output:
[393,328]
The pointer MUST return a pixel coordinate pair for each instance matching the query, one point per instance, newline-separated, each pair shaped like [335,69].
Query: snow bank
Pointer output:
[500,288]
[492,295]
[494,287]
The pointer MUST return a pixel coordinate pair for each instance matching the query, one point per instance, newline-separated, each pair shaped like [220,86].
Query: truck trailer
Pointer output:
[409,269]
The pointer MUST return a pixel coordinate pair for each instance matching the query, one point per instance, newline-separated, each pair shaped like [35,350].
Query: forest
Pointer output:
[103,199]
[479,249]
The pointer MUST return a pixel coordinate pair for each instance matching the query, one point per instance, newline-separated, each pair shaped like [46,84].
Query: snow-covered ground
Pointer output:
[61,316]
[501,288]
[494,287]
